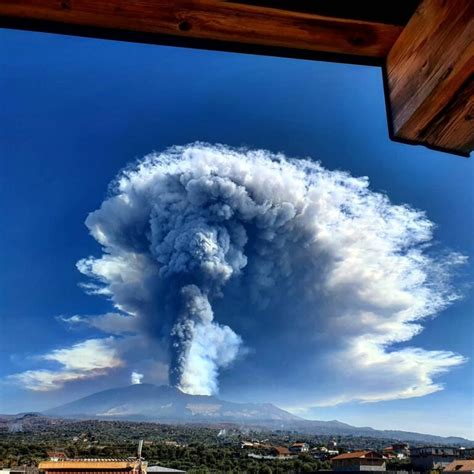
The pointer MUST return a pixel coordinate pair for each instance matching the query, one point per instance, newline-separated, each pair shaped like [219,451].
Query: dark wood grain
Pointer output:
[218,21]
[430,77]
[391,13]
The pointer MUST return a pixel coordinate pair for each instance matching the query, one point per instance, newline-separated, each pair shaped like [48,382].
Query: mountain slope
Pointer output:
[159,403]
[146,402]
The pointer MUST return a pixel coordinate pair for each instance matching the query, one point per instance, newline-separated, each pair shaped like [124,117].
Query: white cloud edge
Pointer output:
[83,360]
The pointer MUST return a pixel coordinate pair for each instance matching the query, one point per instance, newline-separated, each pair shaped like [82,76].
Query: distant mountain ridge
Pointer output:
[159,403]
[164,404]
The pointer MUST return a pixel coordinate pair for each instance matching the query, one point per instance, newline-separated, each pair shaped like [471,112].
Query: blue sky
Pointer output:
[76,111]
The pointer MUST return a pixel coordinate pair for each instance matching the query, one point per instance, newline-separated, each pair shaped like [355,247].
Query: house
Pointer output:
[280,452]
[299,448]
[396,451]
[463,466]
[324,453]
[402,450]
[467,453]
[359,461]
[398,448]
[272,452]
[432,457]
[173,444]
[254,445]
[246,445]
[401,447]
[92,466]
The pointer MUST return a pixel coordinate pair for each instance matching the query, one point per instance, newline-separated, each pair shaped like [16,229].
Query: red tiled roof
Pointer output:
[461,465]
[353,455]
[281,450]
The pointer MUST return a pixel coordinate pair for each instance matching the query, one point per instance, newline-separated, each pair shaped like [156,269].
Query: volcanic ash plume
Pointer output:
[200,346]
[179,226]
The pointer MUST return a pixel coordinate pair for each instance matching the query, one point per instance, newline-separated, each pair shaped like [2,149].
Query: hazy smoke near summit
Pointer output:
[136,378]
[275,268]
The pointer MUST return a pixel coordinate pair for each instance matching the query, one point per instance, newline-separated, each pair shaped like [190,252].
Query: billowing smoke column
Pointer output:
[179,226]
[199,345]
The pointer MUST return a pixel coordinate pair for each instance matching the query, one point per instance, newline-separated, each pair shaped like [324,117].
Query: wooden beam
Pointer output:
[428,65]
[391,13]
[430,77]
[217,22]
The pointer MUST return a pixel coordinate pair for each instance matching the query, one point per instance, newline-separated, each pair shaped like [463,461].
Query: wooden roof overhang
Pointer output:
[426,49]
